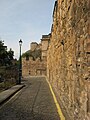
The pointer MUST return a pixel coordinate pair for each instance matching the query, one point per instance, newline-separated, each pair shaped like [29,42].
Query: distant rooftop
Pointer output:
[46,36]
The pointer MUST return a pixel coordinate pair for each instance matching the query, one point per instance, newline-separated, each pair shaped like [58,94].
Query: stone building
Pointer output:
[45,43]
[68,57]
[33,46]
[34,62]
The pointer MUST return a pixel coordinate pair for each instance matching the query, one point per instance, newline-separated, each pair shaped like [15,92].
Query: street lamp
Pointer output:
[20,62]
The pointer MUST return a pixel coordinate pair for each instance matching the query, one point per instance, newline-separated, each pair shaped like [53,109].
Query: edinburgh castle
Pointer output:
[64,57]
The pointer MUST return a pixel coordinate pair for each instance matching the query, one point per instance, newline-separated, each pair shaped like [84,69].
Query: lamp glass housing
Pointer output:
[20,42]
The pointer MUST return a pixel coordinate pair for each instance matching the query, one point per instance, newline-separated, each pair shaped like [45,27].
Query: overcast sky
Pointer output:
[24,19]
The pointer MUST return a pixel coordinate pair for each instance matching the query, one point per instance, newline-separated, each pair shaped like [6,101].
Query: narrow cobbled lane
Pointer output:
[33,102]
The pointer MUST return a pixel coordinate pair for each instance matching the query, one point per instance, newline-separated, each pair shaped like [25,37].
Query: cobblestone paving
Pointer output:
[33,102]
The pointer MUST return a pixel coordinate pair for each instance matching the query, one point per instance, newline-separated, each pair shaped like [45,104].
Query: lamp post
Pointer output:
[20,62]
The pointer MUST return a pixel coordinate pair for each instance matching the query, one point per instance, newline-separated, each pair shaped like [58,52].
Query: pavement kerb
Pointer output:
[60,113]
[7,94]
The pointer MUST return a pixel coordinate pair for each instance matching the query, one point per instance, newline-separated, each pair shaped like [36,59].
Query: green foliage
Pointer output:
[8,67]
[26,54]
[10,54]
[34,54]
[6,57]
[6,85]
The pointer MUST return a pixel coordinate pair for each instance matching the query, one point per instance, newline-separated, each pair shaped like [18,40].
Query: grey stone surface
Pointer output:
[5,95]
[33,102]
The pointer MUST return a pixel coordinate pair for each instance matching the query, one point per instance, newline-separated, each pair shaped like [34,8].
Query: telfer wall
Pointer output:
[68,58]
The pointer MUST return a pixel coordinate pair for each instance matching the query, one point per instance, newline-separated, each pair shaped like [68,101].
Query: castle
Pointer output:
[36,63]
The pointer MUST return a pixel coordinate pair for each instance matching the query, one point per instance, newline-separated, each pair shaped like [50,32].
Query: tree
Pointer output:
[6,57]
[10,54]
[3,53]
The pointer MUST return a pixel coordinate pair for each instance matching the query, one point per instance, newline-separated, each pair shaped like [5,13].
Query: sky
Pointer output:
[24,19]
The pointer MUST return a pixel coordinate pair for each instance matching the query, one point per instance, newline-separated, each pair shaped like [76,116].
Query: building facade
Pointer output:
[68,57]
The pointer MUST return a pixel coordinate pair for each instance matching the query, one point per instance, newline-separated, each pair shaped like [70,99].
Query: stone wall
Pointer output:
[33,68]
[68,58]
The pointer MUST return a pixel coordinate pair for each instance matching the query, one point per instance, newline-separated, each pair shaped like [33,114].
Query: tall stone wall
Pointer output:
[68,58]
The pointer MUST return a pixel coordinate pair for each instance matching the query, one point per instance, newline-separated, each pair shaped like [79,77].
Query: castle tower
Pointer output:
[33,46]
[44,45]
